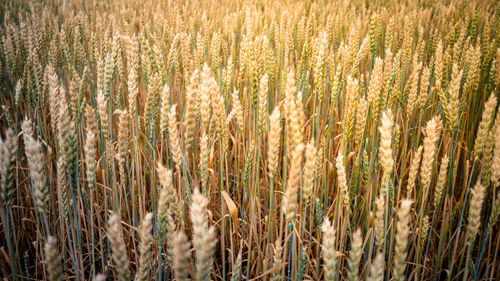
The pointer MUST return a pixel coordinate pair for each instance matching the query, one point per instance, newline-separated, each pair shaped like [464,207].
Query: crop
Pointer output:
[249,140]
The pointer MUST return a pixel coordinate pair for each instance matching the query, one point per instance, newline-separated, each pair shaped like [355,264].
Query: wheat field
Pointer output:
[249,140]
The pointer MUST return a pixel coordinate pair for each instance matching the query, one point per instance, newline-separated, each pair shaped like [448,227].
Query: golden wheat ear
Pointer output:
[484,126]
[274,138]
[342,179]
[277,259]
[174,137]
[309,171]
[441,181]
[401,244]
[292,187]
[432,131]
[475,206]
[386,158]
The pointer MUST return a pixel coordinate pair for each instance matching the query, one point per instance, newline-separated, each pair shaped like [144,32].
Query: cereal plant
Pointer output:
[249,140]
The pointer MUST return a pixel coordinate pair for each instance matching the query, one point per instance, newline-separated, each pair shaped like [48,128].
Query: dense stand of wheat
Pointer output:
[249,140]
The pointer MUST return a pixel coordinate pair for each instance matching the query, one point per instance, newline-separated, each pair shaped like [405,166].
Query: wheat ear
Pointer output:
[475,206]
[204,237]
[123,143]
[385,129]
[414,167]
[164,109]
[441,181]
[355,256]
[328,250]
[309,169]
[432,131]
[263,92]
[274,136]
[8,149]
[36,163]
[62,187]
[380,222]
[376,271]
[401,244]
[168,200]
[173,134]
[292,187]
[145,248]
[277,260]
[119,250]
[203,164]
[191,108]
[495,163]
[181,255]
[53,260]
[342,179]
[484,125]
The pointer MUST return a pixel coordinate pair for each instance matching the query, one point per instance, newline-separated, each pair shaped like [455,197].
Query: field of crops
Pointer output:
[249,140]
